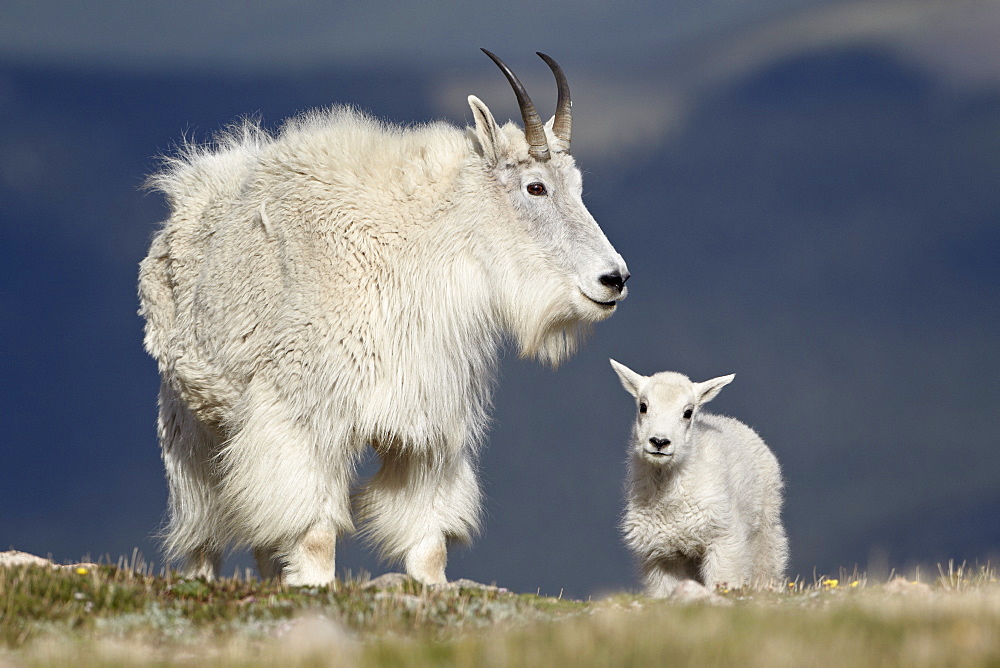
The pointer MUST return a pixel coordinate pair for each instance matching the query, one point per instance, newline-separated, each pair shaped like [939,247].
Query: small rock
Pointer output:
[388,581]
[394,580]
[900,585]
[12,558]
[464,583]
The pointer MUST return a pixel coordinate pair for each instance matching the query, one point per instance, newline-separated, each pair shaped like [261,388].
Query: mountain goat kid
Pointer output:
[703,491]
[345,283]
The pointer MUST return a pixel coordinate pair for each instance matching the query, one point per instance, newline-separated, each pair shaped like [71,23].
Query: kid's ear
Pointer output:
[493,143]
[630,379]
[705,392]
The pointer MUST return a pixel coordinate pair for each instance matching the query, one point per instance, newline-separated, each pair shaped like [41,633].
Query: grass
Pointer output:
[122,615]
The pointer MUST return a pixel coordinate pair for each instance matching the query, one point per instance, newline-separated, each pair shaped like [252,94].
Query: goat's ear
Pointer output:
[493,144]
[708,390]
[555,143]
[630,379]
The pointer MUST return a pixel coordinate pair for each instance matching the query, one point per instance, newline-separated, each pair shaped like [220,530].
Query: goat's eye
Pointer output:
[642,407]
[687,414]
[536,189]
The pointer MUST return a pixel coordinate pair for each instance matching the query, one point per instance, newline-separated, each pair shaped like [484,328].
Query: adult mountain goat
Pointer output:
[346,283]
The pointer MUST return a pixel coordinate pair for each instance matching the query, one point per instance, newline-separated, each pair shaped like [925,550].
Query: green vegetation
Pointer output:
[107,615]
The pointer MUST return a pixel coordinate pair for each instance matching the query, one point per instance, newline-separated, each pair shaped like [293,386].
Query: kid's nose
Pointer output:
[659,443]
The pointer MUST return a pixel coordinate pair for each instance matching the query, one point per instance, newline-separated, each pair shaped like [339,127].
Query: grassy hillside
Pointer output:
[117,615]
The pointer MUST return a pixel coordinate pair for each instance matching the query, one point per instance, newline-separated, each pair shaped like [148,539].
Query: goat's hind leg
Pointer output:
[307,559]
[286,494]
[204,562]
[193,533]
[268,563]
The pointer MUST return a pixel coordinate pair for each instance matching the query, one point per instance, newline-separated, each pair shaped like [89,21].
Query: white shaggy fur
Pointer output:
[703,491]
[345,283]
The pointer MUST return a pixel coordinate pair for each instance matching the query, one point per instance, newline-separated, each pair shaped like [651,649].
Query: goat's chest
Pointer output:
[687,522]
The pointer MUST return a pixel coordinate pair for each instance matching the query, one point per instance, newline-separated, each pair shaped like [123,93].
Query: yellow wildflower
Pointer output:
[831,583]
[80,570]
[855,583]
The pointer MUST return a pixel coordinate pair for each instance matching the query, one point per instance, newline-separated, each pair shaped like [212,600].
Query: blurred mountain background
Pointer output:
[807,194]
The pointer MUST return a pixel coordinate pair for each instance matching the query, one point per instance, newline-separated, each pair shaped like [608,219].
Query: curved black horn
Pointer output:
[562,126]
[534,131]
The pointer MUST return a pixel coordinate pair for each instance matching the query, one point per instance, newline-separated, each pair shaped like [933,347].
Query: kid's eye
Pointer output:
[536,189]
[687,414]
[642,407]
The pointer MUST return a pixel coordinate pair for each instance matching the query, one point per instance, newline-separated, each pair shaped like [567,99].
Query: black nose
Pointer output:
[659,442]
[615,280]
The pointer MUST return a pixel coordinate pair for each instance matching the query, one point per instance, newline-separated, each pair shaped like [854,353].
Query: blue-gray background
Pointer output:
[807,194]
